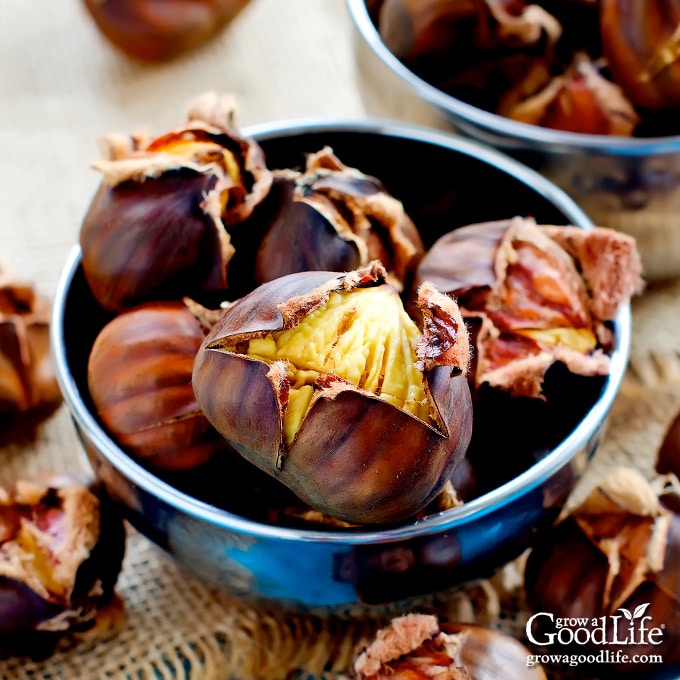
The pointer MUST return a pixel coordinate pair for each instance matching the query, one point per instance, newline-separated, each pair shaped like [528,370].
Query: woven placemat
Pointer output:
[64,87]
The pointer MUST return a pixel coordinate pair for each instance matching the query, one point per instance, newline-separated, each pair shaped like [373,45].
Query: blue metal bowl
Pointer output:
[444,182]
[630,184]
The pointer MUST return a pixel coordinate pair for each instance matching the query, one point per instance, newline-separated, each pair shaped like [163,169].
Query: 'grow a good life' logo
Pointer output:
[605,639]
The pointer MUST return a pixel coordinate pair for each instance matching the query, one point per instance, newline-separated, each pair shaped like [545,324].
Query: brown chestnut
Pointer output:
[610,570]
[157,226]
[579,100]
[641,42]
[61,549]
[156,31]
[472,49]
[335,218]
[139,377]
[27,380]
[418,647]
[322,380]
[536,294]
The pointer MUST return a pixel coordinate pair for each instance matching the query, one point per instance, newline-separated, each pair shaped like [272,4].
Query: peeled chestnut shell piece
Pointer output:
[61,549]
[419,647]
[157,228]
[335,218]
[323,381]
[139,377]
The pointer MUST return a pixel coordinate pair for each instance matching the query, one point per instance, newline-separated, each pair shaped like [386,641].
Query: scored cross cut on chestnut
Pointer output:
[323,381]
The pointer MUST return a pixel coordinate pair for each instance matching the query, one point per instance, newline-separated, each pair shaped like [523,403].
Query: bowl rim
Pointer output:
[536,136]
[441,521]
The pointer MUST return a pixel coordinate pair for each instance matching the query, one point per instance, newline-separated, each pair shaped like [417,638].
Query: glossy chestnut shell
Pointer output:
[139,375]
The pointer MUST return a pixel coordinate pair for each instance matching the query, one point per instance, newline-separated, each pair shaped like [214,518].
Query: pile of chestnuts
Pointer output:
[606,67]
[293,319]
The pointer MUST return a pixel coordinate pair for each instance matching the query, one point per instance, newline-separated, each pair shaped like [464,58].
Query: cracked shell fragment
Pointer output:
[321,380]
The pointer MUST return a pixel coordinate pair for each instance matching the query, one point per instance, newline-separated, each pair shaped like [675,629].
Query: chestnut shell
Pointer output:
[139,376]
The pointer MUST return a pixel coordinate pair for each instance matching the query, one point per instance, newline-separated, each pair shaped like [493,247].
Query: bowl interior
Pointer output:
[444,182]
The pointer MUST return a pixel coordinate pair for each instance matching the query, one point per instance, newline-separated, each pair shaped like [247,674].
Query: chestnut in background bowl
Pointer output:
[215,520]
[631,184]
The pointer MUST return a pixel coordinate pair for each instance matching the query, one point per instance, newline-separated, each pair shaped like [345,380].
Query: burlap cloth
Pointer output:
[62,88]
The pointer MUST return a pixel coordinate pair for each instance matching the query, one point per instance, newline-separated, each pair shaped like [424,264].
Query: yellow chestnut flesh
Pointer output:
[340,338]
[323,381]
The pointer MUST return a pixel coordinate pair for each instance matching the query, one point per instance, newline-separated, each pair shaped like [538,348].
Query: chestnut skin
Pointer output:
[139,376]
[151,240]
[355,456]
[158,31]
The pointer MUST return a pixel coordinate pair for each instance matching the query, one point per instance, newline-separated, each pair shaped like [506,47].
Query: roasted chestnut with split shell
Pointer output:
[139,377]
[579,100]
[332,217]
[61,549]
[158,225]
[417,647]
[536,294]
[322,380]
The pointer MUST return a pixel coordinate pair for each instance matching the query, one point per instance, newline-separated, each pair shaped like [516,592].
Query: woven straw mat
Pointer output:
[64,87]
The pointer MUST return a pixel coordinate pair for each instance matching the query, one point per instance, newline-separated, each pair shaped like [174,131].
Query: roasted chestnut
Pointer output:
[537,295]
[605,579]
[157,31]
[418,646]
[139,377]
[157,226]
[61,549]
[641,42]
[322,380]
[335,218]
[474,49]
[579,100]
[27,380]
